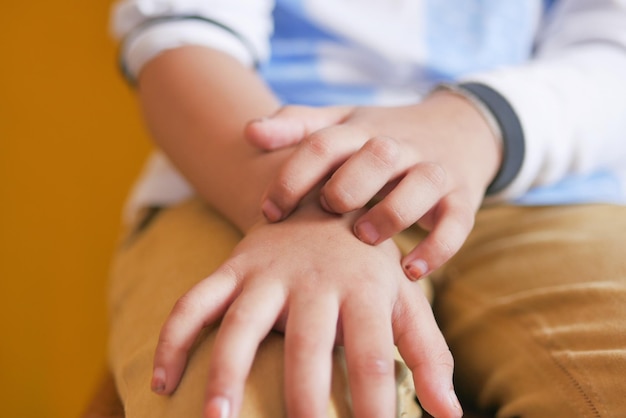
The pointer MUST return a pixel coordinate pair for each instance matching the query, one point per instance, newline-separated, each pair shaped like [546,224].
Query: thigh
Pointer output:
[534,311]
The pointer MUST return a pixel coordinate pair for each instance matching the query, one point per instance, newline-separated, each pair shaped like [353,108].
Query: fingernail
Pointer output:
[271,211]
[218,408]
[416,269]
[454,401]
[158,380]
[366,232]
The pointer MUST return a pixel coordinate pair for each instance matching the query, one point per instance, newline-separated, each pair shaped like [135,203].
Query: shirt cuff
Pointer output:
[511,131]
[145,44]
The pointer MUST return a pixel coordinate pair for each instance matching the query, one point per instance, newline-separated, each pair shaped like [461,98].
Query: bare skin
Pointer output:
[428,163]
[197,103]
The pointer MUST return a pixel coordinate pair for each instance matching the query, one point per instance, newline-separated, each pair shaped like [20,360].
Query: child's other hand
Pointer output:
[428,163]
[311,277]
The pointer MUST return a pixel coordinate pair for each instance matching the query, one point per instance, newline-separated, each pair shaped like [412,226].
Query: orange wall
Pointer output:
[70,143]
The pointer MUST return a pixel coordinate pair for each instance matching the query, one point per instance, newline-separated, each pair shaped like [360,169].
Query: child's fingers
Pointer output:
[198,308]
[247,322]
[363,175]
[426,353]
[309,342]
[317,156]
[454,221]
[368,342]
[291,124]
[413,196]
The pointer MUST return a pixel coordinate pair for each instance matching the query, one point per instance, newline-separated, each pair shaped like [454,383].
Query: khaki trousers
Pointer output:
[533,307]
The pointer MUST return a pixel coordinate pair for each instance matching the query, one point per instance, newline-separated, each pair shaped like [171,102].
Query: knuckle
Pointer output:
[319,144]
[373,366]
[460,223]
[465,218]
[232,270]
[385,150]
[444,249]
[303,343]
[464,214]
[434,174]
[396,217]
[167,344]
[444,359]
[222,375]
[339,198]
[186,306]
[238,316]
[441,359]
[284,190]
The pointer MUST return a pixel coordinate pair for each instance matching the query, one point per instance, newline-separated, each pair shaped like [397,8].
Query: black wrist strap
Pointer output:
[176,18]
[513,145]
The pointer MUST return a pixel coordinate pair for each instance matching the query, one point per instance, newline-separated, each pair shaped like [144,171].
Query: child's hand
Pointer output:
[311,276]
[429,163]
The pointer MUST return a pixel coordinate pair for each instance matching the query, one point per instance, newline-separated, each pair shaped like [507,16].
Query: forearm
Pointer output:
[196,103]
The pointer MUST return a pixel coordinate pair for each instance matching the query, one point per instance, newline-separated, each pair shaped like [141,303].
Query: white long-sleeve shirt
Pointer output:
[560,64]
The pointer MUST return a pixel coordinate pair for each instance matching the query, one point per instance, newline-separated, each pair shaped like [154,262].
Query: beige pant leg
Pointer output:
[183,245]
[534,310]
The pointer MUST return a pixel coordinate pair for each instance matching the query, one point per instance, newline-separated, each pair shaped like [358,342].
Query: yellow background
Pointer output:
[71,141]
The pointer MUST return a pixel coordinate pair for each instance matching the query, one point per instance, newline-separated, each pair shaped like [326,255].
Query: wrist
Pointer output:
[469,142]
[498,113]
[477,104]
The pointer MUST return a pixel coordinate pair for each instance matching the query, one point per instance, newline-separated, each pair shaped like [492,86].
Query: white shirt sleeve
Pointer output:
[571,97]
[148,27]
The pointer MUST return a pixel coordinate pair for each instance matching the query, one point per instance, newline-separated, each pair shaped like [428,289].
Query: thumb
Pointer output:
[291,124]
